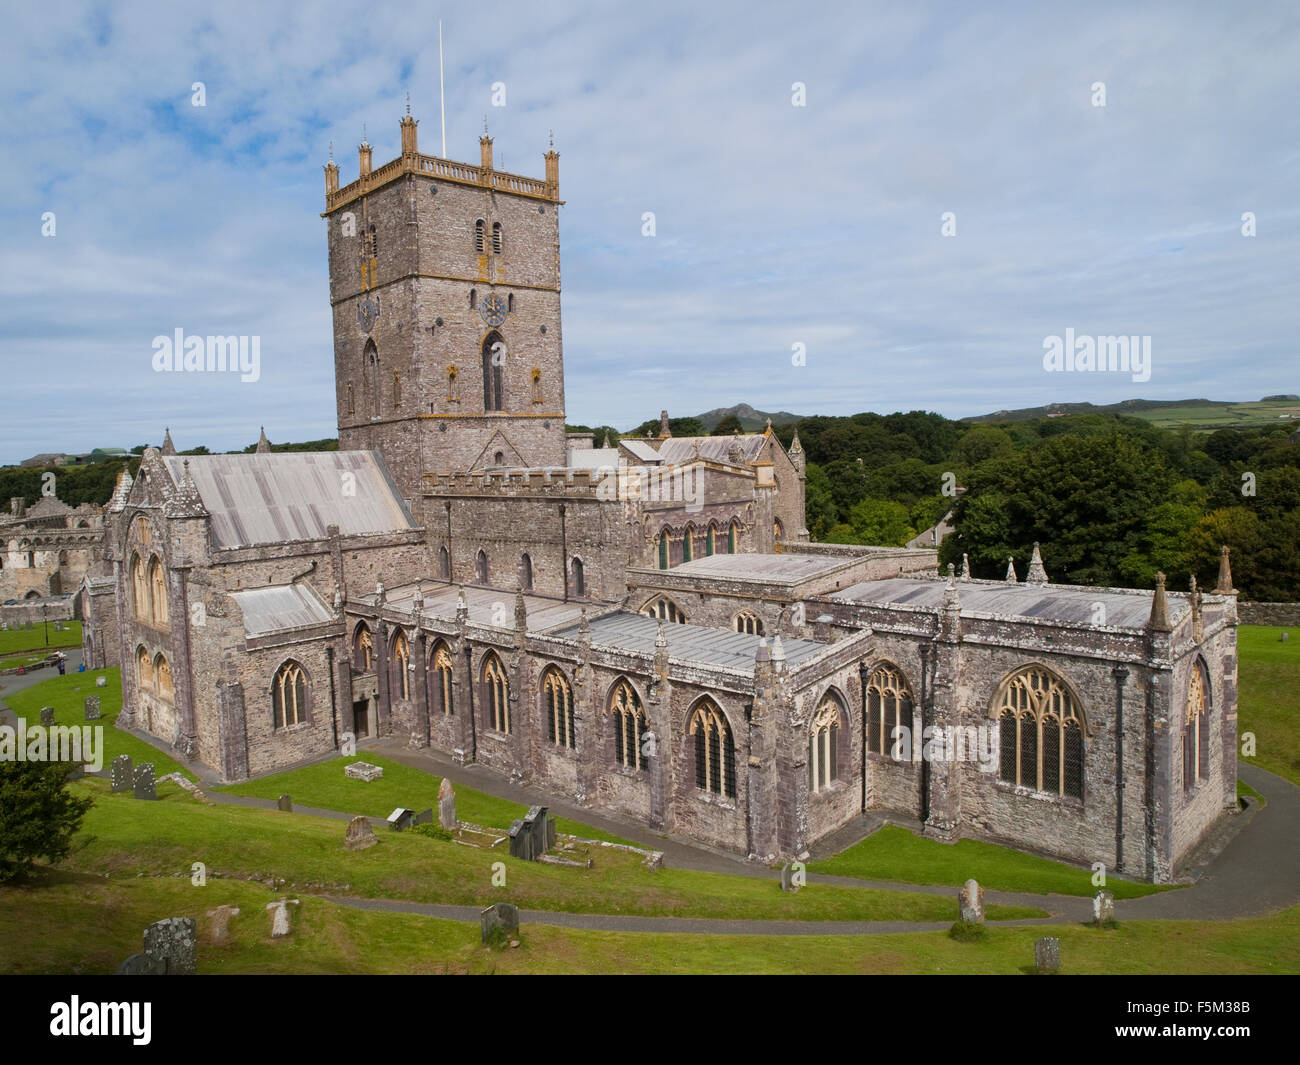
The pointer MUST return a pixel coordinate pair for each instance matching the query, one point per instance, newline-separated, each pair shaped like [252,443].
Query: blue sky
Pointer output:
[775,224]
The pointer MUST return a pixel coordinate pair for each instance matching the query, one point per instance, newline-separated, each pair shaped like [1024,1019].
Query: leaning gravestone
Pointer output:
[447,806]
[47,716]
[1047,955]
[280,917]
[1103,907]
[143,783]
[971,902]
[503,915]
[121,773]
[142,965]
[285,803]
[221,923]
[363,771]
[174,943]
[92,708]
[360,835]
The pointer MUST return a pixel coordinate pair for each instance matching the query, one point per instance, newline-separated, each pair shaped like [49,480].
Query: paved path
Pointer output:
[17,681]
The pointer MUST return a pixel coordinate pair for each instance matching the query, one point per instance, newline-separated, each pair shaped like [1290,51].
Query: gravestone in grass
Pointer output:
[280,917]
[361,834]
[400,819]
[143,783]
[92,708]
[447,806]
[219,926]
[1047,955]
[121,773]
[1103,908]
[101,682]
[424,817]
[142,965]
[285,803]
[173,942]
[502,915]
[971,902]
[47,716]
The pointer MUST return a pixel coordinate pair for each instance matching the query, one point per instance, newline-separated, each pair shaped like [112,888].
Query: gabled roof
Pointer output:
[280,606]
[293,496]
[677,449]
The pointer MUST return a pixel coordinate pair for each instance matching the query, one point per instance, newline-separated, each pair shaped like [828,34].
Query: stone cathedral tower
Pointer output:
[445,287]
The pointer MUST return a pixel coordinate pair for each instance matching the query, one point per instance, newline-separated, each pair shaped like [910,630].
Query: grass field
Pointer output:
[1251,415]
[324,786]
[1268,679]
[44,928]
[33,639]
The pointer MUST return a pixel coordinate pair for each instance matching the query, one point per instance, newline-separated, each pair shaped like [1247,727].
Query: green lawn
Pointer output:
[894,853]
[1268,678]
[124,838]
[324,786]
[20,659]
[34,638]
[44,929]
[67,695]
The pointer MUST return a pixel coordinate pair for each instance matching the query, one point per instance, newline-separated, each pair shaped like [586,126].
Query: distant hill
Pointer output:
[749,417]
[1169,413]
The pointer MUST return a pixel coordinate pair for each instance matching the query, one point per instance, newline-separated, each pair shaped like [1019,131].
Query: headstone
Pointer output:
[284,803]
[221,923]
[101,682]
[529,840]
[172,941]
[503,915]
[47,716]
[121,773]
[360,835]
[787,878]
[971,902]
[447,806]
[1103,907]
[142,965]
[521,841]
[143,782]
[424,817]
[58,626]
[92,708]
[363,771]
[550,833]
[280,917]
[1285,637]
[400,819]
[1047,955]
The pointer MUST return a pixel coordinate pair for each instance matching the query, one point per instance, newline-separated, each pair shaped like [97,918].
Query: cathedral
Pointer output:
[640,626]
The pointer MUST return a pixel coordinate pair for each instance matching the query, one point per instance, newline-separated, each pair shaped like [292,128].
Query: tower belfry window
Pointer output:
[496,236]
[493,372]
[478,234]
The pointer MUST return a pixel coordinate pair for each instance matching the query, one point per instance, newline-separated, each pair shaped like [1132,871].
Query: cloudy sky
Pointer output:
[776,225]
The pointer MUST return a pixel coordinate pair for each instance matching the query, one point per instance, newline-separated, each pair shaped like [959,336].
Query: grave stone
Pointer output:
[58,626]
[143,782]
[221,923]
[400,819]
[521,841]
[1047,955]
[142,965]
[92,708]
[787,878]
[360,835]
[122,773]
[101,682]
[971,902]
[47,716]
[284,803]
[280,917]
[534,825]
[424,817]
[447,806]
[172,941]
[363,771]
[1103,907]
[503,915]
[1285,637]
[550,833]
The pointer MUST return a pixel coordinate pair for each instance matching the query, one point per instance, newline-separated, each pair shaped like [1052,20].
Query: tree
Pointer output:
[881,523]
[819,503]
[38,815]
[728,425]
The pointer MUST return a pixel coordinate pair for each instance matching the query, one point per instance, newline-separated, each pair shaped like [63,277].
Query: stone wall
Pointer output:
[1269,613]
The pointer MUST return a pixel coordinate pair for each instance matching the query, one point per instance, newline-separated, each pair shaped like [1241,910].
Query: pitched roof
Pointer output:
[288,496]
[714,448]
[280,606]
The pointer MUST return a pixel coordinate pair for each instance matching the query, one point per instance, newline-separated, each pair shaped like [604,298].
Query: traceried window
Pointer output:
[401,660]
[663,549]
[163,678]
[629,725]
[140,589]
[748,623]
[289,695]
[715,750]
[496,694]
[370,364]
[363,650]
[889,705]
[1040,733]
[665,610]
[144,678]
[158,592]
[823,745]
[731,538]
[688,543]
[557,703]
[1196,731]
[441,678]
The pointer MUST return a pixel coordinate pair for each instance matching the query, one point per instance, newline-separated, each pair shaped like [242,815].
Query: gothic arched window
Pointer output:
[400,660]
[481,567]
[443,701]
[496,694]
[731,538]
[478,234]
[889,706]
[144,678]
[370,363]
[163,674]
[525,572]
[715,750]
[748,623]
[557,701]
[289,695]
[688,543]
[444,563]
[579,579]
[140,589]
[496,236]
[710,540]
[629,725]
[1040,732]
[493,372]
[663,549]
[363,649]
[665,610]
[823,744]
[1196,731]
[158,592]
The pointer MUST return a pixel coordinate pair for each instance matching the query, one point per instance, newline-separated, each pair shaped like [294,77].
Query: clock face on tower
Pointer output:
[367,313]
[493,309]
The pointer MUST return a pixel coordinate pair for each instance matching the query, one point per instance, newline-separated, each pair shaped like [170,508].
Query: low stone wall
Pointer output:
[19,614]
[1269,613]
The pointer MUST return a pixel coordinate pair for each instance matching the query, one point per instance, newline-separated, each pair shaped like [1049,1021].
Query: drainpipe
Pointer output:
[564,554]
[925,765]
[334,709]
[862,681]
[1120,674]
